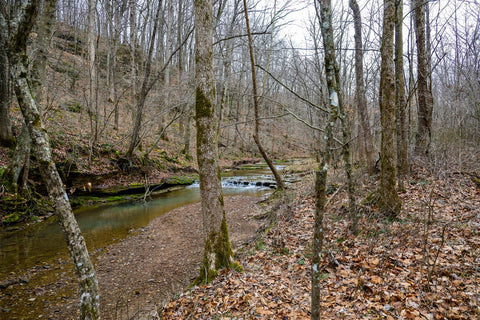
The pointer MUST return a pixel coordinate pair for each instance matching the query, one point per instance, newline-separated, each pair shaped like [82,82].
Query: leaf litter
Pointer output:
[423,265]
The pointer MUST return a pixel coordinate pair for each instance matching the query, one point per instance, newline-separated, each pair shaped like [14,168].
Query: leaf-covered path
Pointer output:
[425,265]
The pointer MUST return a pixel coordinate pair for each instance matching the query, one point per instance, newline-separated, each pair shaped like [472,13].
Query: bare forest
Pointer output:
[359,121]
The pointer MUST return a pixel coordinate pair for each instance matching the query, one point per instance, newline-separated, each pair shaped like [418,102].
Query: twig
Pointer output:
[333,196]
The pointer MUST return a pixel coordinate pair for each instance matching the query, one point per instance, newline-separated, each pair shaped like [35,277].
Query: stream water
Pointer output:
[42,243]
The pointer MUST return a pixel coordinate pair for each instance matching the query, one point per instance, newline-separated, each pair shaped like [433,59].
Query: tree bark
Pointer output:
[256,138]
[389,202]
[6,135]
[20,162]
[366,133]
[19,166]
[17,45]
[92,74]
[44,32]
[336,96]
[425,100]
[400,98]
[218,253]
[323,11]
[133,48]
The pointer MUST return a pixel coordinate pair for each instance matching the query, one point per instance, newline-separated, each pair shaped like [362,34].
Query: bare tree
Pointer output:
[389,202]
[256,138]
[92,75]
[19,166]
[425,99]
[324,15]
[366,135]
[146,87]
[218,253]
[400,98]
[20,27]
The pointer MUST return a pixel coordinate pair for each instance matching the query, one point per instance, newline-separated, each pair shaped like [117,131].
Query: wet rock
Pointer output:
[7,283]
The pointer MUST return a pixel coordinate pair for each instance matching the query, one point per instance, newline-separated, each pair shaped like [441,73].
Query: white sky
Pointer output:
[298,21]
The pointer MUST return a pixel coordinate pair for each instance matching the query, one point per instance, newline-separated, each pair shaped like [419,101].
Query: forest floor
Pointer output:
[423,265]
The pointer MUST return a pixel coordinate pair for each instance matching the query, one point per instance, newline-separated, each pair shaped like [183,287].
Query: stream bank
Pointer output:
[137,274]
[49,283]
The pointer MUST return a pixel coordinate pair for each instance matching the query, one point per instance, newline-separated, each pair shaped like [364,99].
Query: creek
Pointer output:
[41,244]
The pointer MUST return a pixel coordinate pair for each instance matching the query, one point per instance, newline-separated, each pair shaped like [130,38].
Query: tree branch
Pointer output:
[291,91]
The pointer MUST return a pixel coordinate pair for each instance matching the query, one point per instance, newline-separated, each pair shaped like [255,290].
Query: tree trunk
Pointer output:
[92,75]
[336,95]
[323,11]
[400,99]
[17,45]
[366,134]
[256,138]
[44,32]
[389,202]
[6,135]
[218,253]
[146,86]
[133,48]
[19,166]
[425,100]
[20,162]
[188,131]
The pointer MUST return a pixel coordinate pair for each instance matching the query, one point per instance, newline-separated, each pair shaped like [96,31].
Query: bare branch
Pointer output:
[292,91]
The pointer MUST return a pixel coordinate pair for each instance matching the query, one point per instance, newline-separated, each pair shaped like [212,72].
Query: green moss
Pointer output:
[223,249]
[77,202]
[115,199]
[136,184]
[204,107]
[11,218]
[180,180]
[164,155]
[217,243]
[260,245]
[84,200]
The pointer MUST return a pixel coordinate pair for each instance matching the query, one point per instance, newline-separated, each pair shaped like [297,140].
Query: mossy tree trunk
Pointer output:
[389,202]
[21,26]
[256,135]
[218,253]
[400,98]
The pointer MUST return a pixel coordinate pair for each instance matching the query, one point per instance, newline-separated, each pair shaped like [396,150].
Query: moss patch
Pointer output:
[15,209]
[180,180]
[217,245]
